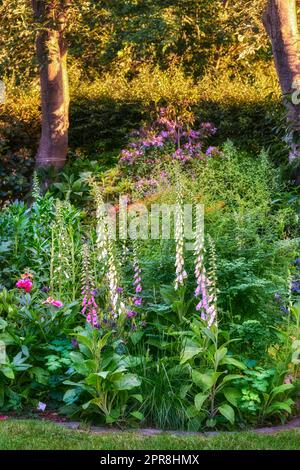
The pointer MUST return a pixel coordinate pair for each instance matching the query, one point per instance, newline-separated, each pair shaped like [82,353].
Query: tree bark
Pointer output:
[280,21]
[51,49]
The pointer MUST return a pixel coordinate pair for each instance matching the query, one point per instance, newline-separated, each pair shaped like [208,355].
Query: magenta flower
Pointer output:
[57,303]
[25,284]
[51,301]
[131,314]
[137,301]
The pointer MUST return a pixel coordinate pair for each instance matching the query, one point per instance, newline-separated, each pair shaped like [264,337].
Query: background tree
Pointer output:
[51,50]
[281,23]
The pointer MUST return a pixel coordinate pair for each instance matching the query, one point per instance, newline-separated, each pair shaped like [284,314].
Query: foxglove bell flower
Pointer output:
[206,285]
[89,304]
[179,241]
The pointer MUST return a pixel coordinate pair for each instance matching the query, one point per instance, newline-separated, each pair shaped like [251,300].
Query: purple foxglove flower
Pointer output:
[131,314]
[137,301]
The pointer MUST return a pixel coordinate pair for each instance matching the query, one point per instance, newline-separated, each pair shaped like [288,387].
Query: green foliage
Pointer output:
[101,374]
[213,370]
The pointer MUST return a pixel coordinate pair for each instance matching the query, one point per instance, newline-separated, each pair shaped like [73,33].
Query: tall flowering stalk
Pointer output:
[117,307]
[62,262]
[179,239]
[137,280]
[206,283]
[36,189]
[102,229]
[89,305]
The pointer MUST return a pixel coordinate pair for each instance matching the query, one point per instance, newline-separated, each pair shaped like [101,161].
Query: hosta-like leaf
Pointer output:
[200,398]
[228,412]
[230,377]
[189,352]
[127,382]
[233,362]
[71,395]
[232,395]
[205,381]
[220,354]
[280,406]
[137,415]
[281,389]
[138,397]
[7,371]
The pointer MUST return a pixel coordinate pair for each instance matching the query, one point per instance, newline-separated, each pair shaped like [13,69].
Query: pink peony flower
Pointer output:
[25,284]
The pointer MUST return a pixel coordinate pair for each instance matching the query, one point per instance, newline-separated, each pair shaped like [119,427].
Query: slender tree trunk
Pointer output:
[280,21]
[51,49]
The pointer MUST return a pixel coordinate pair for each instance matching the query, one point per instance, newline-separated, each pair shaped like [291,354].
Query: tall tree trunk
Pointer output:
[51,49]
[280,21]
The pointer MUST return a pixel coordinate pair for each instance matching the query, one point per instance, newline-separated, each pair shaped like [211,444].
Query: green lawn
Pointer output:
[30,434]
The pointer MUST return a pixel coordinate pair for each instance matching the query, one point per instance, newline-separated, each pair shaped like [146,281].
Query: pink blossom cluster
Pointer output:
[89,306]
[137,283]
[25,284]
[55,303]
[205,290]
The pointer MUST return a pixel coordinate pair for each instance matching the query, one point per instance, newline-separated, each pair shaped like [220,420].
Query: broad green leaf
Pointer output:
[281,389]
[205,381]
[138,397]
[94,378]
[233,362]
[228,412]
[199,400]
[87,404]
[113,416]
[7,371]
[189,352]
[230,377]
[127,382]
[3,324]
[86,341]
[232,395]
[280,406]
[137,415]
[136,337]
[71,395]
[220,354]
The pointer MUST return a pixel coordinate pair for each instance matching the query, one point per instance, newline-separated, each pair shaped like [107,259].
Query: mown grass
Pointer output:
[37,435]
